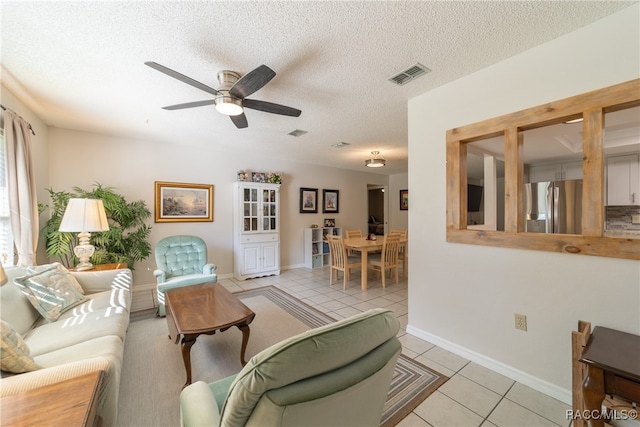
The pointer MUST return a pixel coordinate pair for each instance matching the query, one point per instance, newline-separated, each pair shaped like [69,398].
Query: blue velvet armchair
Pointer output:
[181,261]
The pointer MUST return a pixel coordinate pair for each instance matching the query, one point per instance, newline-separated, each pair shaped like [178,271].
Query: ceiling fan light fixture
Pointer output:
[375,162]
[228,105]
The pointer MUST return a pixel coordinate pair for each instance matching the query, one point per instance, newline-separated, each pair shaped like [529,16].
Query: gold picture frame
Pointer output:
[183,202]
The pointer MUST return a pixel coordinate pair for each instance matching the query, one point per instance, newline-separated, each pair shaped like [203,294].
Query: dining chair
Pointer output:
[350,234]
[402,252]
[340,260]
[353,233]
[388,258]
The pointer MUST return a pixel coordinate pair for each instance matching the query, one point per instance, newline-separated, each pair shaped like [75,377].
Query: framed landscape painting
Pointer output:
[308,200]
[181,202]
[330,200]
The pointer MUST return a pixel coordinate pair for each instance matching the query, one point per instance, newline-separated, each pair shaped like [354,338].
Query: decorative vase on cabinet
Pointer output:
[256,240]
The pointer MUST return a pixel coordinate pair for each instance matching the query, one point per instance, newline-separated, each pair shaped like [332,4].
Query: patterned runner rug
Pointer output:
[153,372]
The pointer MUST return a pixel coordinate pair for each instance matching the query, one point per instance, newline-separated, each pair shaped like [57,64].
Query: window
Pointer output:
[6,238]
[592,239]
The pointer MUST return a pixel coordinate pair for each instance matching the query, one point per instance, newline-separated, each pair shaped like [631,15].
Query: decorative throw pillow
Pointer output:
[63,270]
[16,356]
[51,291]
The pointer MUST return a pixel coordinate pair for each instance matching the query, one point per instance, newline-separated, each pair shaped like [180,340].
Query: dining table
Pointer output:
[364,246]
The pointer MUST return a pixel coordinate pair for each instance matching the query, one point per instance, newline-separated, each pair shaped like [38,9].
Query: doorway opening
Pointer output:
[378,216]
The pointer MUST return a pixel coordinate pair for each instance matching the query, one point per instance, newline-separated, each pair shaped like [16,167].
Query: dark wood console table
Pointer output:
[613,361]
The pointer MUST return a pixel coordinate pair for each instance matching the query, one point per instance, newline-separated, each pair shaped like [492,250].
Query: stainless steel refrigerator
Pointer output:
[553,207]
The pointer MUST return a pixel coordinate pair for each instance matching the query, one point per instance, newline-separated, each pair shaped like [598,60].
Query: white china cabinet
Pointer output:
[256,230]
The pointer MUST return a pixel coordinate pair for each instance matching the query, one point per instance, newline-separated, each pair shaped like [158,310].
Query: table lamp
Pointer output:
[84,216]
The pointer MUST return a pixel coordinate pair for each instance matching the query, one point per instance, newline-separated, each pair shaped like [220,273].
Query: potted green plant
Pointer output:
[125,241]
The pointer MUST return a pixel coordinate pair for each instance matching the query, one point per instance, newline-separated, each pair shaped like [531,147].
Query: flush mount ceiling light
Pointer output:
[375,162]
[229,105]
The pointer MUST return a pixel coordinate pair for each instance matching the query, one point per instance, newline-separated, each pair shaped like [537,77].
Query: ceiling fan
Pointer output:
[231,97]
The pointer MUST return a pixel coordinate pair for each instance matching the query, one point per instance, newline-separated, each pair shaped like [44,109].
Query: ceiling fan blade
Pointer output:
[252,81]
[240,121]
[270,107]
[182,77]
[189,105]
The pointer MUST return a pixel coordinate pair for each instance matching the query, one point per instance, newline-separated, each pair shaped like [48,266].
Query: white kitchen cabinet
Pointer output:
[555,172]
[316,248]
[256,229]
[623,180]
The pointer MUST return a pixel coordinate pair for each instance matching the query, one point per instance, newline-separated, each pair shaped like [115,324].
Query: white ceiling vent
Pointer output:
[409,74]
[297,132]
[340,144]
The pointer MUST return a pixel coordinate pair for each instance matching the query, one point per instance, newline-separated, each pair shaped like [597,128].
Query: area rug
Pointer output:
[153,372]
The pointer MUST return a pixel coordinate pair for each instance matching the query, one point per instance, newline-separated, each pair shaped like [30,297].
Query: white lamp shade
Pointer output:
[84,215]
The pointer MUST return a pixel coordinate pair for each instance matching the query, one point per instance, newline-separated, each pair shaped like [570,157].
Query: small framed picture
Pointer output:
[404,200]
[308,200]
[181,202]
[329,222]
[330,200]
[258,177]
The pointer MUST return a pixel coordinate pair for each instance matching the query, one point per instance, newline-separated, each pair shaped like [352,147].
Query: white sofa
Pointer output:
[85,338]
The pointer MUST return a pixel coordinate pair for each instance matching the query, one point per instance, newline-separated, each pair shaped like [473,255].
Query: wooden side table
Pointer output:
[67,403]
[101,267]
[613,361]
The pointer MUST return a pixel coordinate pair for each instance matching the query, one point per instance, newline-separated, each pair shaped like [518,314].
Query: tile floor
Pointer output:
[473,396]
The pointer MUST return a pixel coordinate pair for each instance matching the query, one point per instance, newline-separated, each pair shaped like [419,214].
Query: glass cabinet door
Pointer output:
[250,209]
[269,210]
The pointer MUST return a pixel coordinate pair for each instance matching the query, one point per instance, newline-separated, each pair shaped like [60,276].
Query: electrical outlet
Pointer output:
[521,322]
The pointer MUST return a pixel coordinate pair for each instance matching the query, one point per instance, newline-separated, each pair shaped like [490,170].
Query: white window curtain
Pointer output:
[23,203]
[6,239]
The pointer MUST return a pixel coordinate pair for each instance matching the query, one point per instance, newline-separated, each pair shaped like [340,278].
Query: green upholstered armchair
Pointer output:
[335,375]
[181,261]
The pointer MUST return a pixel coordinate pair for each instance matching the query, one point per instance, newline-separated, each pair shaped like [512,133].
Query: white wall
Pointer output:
[78,159]
[399,219]
[463,297]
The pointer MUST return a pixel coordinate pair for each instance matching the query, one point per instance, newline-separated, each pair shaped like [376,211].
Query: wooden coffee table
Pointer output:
[204,309]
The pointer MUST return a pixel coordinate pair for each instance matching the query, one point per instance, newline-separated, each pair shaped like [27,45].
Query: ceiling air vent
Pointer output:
[340,144]
[409,74]
[297,132]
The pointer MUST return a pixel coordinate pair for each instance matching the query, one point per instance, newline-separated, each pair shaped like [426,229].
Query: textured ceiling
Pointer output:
[80,65]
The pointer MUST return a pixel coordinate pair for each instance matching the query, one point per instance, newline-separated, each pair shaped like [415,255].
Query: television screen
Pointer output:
[474,196]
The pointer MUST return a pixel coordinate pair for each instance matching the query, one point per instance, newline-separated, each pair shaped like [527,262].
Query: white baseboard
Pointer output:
[291,267]
[145,287]
[522,377]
